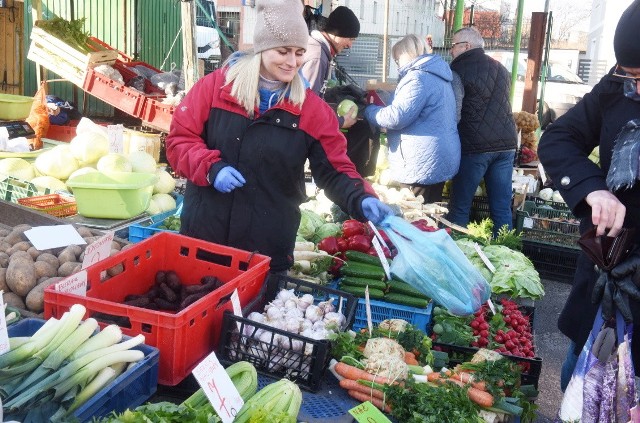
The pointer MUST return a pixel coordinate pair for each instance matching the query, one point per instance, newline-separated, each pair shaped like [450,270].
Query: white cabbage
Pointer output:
[58,162]
[142,162]
[17,168]
[114,162]
[166,184]
[165,202]
[50,182]
[89,147]
[153,208]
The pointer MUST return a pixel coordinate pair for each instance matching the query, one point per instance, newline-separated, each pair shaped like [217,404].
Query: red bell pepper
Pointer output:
[352,227]
[359,243]
[330,245]
[343,244]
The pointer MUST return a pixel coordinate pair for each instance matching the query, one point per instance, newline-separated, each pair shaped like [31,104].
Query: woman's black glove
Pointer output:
[616,287]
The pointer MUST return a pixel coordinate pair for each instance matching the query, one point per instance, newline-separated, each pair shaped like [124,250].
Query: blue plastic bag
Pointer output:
[433,264]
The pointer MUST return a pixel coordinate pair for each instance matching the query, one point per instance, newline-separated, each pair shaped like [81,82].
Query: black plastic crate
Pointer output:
[279,353]
[552,261]
[479,208]
[553,204]
[545,224]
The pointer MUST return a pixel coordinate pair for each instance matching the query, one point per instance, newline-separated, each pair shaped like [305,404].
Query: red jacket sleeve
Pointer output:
[187,152]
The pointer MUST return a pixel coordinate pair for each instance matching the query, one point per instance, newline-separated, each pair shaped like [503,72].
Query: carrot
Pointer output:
[375,401]
[466,377]
[352,385]
[482,398]
[410,358]
[434,377]
[353,373]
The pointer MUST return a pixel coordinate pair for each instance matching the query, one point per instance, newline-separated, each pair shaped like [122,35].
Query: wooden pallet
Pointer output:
[64,60]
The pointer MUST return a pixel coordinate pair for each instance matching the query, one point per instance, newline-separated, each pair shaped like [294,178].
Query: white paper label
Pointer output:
[235,303]
[527,223]
[46,237]
[115,137]
[383,259]
[217,386]
[543,176]
[484,258]
[377,234]
[367,306]
[97,250]
[4,334]
[75,284]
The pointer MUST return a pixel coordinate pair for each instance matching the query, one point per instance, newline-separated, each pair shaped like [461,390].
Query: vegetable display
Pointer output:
[49,375]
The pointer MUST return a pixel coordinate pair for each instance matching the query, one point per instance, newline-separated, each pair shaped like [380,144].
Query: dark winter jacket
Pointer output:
[486,124]
[210,130]
[564,149]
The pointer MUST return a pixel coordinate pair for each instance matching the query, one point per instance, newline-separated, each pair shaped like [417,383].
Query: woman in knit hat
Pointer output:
[242,136]
[605,197]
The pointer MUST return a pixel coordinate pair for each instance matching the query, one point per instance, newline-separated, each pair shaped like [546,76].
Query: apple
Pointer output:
[345,106]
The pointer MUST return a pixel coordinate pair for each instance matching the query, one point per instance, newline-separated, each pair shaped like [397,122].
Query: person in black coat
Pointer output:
[604,197]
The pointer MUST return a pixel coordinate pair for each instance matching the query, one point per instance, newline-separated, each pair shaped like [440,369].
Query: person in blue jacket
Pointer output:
[421,122]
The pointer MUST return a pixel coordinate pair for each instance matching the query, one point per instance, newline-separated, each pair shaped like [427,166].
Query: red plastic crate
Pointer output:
[114,93]
[183,338]
[156,114]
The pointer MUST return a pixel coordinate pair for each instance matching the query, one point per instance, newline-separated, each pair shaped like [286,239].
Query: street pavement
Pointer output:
[551,346]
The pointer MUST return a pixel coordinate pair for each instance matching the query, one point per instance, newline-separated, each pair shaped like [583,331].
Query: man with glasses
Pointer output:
[487,131]
[605,197]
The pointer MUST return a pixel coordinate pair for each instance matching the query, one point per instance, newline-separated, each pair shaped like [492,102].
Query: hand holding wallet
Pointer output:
[606,251]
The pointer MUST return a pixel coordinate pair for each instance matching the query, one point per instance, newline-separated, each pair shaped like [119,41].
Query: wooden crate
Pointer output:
[62,59]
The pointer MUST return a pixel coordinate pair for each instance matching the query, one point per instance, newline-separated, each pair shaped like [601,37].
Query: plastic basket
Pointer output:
[479,208]
[129,390]
[278,358]
[127,99]
[548,225]
[183,338]
[157,114]
[53,204]
[553,204]
[12,189]
[382,310]
[552,261]
[139,231]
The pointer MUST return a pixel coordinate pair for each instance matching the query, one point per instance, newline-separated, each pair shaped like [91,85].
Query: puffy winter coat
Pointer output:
[486,124]
[210,130]
[424,147]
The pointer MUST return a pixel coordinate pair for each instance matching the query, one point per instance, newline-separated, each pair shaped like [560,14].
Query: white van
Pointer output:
[207,38]
[563,88]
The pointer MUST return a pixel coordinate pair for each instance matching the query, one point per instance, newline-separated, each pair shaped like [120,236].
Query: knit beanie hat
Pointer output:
[625,40]
[279,23]
[342,22]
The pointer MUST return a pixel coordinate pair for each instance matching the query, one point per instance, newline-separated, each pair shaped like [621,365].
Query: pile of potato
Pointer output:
[25,271]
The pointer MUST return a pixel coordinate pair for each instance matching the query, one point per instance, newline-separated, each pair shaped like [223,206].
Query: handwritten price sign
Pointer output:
[75,284]
[368,413]
[217,386]
[4,334]
[98,250]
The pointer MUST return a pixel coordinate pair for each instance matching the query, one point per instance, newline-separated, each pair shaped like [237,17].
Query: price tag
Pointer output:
[383,259]
[484,258]
[217,386]
[527,223]
[376,232]
[235,303]
[367,306]
[543,175]
[75,284]
[115,135]
[4,334]
[98,250]
[368,413]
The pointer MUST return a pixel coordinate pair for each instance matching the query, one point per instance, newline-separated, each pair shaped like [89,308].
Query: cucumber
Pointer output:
[363,258]
[362,282]
[362,270]
[359,291]
[406,289]
[406,300]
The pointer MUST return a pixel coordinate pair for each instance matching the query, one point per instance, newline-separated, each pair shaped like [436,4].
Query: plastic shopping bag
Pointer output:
[433,263]
[602,386]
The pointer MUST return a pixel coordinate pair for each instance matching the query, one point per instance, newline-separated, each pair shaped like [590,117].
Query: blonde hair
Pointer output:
[243,74]
[411,45]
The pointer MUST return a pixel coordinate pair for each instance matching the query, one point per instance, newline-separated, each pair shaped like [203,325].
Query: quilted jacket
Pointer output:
[486,124]
[424,147]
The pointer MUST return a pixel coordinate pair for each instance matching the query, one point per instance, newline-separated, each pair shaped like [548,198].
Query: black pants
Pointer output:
[362,147]
[430,193]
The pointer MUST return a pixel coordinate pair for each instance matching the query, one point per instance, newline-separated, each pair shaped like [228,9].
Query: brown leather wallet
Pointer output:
[607,251]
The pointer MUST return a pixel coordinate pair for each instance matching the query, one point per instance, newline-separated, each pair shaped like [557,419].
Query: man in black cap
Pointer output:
[606,197]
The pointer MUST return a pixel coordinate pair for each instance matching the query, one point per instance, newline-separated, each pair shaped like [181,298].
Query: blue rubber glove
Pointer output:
[375,210]
[228,179]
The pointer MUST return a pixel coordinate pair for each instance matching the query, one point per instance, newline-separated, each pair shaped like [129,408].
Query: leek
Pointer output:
[108,336]
[102,379]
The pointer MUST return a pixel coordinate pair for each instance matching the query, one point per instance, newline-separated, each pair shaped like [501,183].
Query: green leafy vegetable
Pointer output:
[71,32]
[163,412]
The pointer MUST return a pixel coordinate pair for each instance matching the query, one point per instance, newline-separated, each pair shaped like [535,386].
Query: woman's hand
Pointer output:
[607,212]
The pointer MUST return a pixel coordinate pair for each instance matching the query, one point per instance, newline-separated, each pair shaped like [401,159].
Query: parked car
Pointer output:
[563,88]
